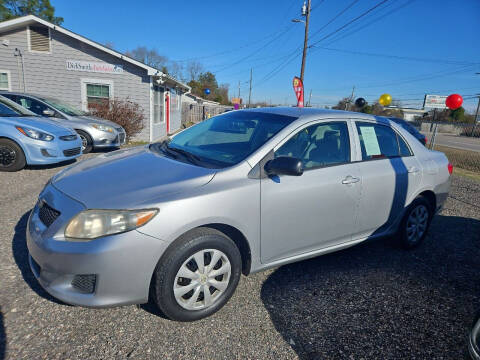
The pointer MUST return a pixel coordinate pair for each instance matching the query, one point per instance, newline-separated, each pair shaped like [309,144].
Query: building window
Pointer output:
[158,100]
[94,91]
[97,93]
[5,80]
[39,38]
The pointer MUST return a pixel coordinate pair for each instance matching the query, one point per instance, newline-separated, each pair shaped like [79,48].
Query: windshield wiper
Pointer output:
[175,151]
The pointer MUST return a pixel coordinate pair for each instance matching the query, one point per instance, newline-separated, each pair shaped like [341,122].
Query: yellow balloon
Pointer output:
[385,99]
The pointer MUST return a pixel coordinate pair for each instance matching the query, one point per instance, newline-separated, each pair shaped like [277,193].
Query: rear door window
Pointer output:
[380,142]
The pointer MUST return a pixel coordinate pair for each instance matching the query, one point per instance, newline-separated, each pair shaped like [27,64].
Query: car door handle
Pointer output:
[350,180]
[413,170]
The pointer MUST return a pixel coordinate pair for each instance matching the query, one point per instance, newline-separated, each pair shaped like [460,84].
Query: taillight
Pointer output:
[426,140]
[450,168]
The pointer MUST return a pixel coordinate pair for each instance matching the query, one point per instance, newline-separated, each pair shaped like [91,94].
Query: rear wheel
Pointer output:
[87,142]
[12,157]
[415,223]
[197,275]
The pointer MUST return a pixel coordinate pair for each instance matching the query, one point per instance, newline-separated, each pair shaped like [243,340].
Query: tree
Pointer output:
[151,57]
[194,69]
[207,80]
[10,9]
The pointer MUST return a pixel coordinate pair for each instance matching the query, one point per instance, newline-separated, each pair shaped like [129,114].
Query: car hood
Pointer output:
[94,120]
[128,179]
[43,124]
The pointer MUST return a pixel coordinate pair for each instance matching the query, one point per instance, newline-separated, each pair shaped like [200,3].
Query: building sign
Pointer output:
[98,67]
[434,102]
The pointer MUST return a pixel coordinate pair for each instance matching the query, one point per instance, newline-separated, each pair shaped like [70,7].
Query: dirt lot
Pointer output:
[371,301]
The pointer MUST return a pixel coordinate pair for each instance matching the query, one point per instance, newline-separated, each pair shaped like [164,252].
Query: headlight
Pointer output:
[105,128]
[34,134]
[91,224]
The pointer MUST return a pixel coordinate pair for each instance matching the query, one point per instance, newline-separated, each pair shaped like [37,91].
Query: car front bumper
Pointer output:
[118,268]
[51,152]
[104,140]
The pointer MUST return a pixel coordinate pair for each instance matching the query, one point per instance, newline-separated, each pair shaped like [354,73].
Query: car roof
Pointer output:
[20,93]
[309,114]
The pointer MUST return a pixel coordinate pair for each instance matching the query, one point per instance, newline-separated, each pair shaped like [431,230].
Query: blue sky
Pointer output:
[437,40]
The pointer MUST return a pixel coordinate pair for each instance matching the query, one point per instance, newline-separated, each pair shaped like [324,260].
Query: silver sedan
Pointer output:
[238,193]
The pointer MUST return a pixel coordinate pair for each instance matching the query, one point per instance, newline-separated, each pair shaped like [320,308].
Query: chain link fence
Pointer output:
[459,141]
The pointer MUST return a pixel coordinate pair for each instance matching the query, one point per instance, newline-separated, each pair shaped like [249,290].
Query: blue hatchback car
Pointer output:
[26,138]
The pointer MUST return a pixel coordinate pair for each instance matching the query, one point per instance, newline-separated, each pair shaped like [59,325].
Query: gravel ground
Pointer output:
[371,301]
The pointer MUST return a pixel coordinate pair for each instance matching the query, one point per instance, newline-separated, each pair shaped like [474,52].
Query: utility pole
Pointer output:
[305,42]
[239,89]
[250,89]
[309,98]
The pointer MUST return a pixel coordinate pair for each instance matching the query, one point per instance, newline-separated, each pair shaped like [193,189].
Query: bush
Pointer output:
[124,112]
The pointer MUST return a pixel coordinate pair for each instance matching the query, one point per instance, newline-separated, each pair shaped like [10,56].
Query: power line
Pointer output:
[408,58]
[381,17]
[348,23]
[334,18]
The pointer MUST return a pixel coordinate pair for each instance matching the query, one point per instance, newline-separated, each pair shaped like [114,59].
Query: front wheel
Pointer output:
[197,275]
[87,142]
[415,223]
[12,157]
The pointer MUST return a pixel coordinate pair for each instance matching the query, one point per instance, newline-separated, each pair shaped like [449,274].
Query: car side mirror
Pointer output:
[48,112]
[284,165]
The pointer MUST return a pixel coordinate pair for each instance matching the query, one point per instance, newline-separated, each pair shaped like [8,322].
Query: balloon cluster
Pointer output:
[454,101]
[385,99]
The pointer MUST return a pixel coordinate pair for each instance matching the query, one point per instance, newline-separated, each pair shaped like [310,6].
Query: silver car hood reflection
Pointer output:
[129,178]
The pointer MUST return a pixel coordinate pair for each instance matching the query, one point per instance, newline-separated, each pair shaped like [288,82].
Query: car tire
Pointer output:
[12,157]
[415,223]
[87,142]
[182,258]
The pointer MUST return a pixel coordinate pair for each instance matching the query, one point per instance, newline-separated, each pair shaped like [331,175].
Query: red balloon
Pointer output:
[454,101]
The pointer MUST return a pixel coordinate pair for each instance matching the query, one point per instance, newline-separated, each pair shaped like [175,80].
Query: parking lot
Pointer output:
[371,301]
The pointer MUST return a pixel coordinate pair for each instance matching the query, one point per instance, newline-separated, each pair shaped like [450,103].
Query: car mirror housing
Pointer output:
[284,165]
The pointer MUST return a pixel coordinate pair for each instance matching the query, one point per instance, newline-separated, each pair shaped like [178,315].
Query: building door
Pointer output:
[158,126]
[167,111]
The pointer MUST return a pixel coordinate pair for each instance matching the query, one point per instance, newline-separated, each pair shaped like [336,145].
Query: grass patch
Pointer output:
[466,173]
[463,159]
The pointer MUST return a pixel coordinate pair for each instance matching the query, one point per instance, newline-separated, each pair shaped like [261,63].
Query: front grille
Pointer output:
[47,214]
[72,152]
[68,137]
[85,283]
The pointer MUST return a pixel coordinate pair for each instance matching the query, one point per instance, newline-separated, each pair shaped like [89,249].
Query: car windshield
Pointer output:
[10,108]
[65,108]
[224,140]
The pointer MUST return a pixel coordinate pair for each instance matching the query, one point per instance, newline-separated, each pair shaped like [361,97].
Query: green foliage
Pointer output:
[10,9]
[207,80]
[375,109]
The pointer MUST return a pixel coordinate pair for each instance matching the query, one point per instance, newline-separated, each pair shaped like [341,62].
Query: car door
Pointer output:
[319,208]
[390,175]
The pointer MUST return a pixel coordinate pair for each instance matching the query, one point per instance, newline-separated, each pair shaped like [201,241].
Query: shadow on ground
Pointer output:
[379,301]
[3,337]
[20,254]
[51,166]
